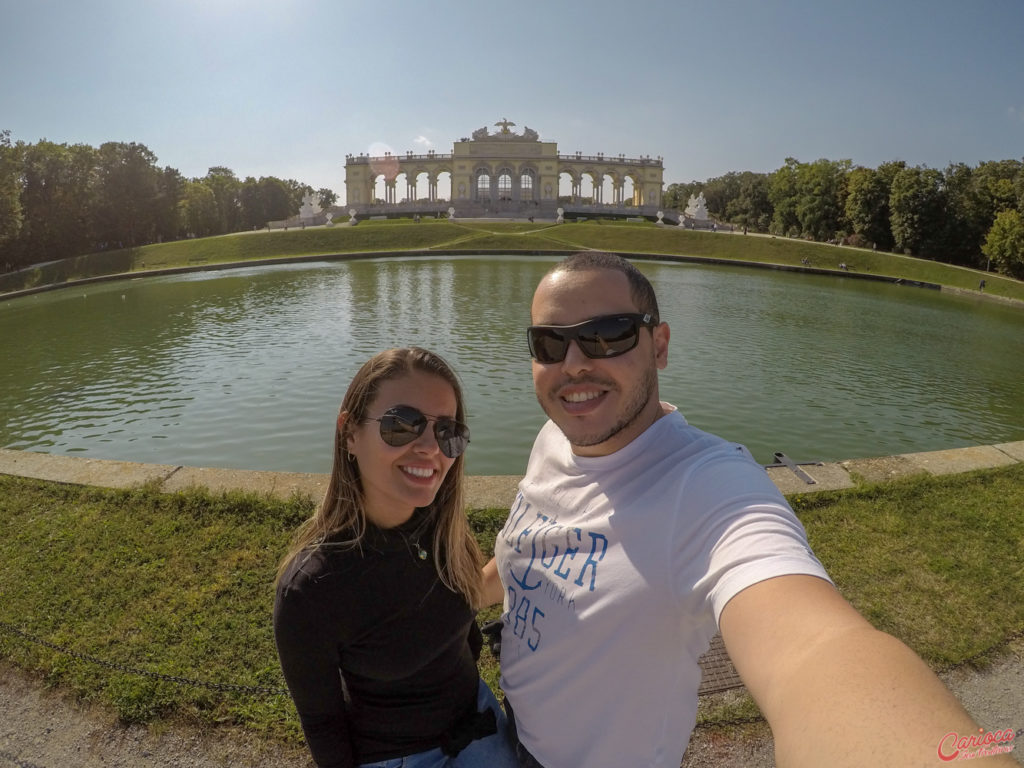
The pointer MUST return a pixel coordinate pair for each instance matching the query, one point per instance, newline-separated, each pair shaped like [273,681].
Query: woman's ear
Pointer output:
[342,419]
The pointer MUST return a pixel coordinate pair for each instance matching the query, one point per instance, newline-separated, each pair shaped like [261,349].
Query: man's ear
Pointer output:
[661,335]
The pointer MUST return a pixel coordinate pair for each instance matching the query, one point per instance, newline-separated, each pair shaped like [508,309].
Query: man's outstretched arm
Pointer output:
[834,690]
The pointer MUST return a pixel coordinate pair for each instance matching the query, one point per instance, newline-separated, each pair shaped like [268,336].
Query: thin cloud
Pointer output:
[423,140]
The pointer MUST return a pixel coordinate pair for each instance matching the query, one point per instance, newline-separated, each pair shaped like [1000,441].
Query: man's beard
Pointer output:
[638,401]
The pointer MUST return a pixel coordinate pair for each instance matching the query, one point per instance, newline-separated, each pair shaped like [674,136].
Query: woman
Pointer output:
[375,611]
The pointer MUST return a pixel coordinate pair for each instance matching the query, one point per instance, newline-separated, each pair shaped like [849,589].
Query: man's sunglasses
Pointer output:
[597,338]
[403,424]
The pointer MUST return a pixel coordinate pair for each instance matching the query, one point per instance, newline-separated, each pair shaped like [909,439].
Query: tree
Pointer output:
[996,182]
[226,188]
[751,207]
[10,195]
[1005,243]
[677,196]
[296,191]
[968,215]
[820,197]
[57,194]
[250,198]
[719,191]
[199,209]
[1018,188]
[170,224]
[783,194]
[867,205]
[126,194]
[917,204]
[327,198]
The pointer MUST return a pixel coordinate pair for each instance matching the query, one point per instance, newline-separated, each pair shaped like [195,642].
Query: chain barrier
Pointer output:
[995,649]
[729,723]
[13,759]
[141,672]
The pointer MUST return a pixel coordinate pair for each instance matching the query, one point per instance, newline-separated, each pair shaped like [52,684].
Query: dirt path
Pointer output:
[994,697]
[44,729]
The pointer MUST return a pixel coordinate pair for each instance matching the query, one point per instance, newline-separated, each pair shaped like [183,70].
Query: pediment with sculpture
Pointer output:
[506,133]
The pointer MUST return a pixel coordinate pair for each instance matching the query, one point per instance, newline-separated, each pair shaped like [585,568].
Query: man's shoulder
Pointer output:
[674,434]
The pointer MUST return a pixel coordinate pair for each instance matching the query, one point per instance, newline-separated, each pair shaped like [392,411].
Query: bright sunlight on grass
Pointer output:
[182,584]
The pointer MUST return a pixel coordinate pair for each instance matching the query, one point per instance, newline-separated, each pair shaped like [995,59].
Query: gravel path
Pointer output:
[45,729]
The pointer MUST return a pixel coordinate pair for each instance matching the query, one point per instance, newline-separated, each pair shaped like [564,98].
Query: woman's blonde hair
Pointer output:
[341,517]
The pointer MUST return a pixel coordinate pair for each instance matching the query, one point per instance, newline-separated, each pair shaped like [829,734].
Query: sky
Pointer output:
[287,88]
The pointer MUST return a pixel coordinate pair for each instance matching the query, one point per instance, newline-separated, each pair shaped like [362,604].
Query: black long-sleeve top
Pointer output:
[374,648]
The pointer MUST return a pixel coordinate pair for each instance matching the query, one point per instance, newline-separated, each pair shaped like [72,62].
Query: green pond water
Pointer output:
[246,368]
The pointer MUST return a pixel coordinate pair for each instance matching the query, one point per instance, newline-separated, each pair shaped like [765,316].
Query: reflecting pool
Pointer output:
[246,368]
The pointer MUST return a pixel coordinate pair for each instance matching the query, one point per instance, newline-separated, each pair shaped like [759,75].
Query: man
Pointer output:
[635,537]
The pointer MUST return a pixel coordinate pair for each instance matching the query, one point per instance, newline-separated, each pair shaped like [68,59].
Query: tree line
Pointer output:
[971,216]
[58,200]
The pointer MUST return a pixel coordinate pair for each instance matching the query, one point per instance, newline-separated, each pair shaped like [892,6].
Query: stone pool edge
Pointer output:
[482,491]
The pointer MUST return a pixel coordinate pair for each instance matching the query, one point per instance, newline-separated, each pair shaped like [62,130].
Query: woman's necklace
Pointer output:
[414,539]
[420,551]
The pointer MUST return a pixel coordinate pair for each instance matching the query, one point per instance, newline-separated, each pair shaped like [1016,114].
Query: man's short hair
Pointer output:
[640,288]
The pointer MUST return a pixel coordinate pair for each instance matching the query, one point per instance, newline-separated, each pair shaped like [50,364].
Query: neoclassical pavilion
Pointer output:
[504,173]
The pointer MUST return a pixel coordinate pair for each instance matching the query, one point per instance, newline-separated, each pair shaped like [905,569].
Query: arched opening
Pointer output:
[590,187]
[526,185]
[482,193]
[443,186]
[421,185]
[380,188]
[568,188]
[633,193]
[505,184]
[629,192]
[401,191]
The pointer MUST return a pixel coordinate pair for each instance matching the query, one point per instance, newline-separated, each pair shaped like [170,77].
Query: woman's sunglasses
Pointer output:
[403,424]
[599,337]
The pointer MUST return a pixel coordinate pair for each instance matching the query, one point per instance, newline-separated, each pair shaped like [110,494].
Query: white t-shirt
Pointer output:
[616,569]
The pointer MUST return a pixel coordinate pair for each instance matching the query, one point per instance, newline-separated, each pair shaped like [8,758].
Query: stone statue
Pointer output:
[529,133]
[310,205]
[480,133]
[505,123]
[697,207]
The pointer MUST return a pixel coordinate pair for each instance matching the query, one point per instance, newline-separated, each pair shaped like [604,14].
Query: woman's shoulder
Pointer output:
[324,566]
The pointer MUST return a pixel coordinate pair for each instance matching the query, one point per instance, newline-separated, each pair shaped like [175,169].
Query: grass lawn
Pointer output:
[181,584]
[403,236]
